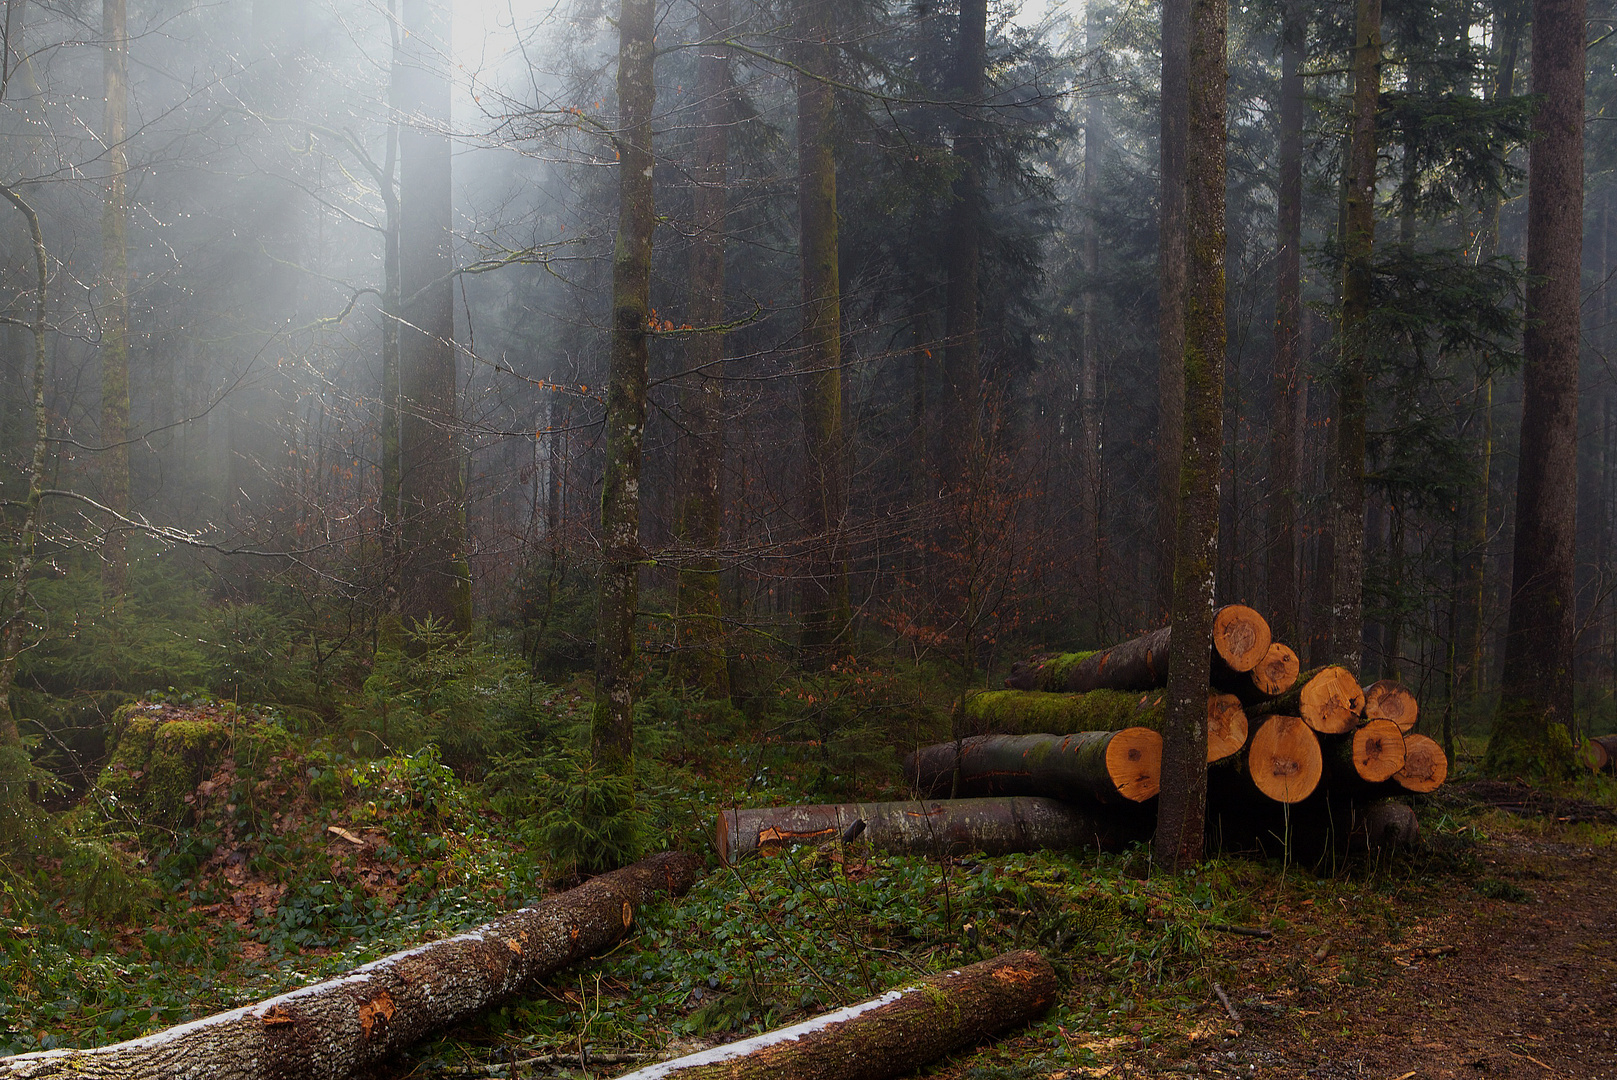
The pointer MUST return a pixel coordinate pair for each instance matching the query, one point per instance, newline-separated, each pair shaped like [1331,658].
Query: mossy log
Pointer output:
[1103,766]
[1369,755]
[1425,765]
[1329,700]
[1241,640]
[1284,760]
[888,1036]
[1391,700]
[345,1025]
[1274,675]
[1019,712]
[950,827]
[1600,752]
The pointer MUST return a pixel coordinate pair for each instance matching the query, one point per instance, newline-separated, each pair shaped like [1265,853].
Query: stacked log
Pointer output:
[1600,753]
[1102,766]
[1241,640]
[1018,712]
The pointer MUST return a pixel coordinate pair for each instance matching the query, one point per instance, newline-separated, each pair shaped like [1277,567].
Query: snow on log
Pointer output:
[1241,639]
[1274,675]
[1103,766]
[1329,700]
[1425,765]
[339,1027]
[1391,700]
[888,1036]
[1018,712]
[950,827]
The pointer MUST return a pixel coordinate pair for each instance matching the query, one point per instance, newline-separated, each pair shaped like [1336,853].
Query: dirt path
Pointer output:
[1521,985]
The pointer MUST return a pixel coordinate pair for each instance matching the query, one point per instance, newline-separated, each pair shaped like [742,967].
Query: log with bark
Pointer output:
[1370,755]
[1329,700]
[1322,825]
[1241,640]
[1098,766]
[1425,765]
[1274,675]
[1284,760]
[888,1036]
[1391,700]
[342,1026]
[1018,712]
[1600,752]
[951,827]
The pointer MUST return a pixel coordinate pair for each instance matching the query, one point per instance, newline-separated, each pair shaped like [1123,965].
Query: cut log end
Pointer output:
[1284,760]
[1332,701]
[1278,670]
[1226,726]
[1391,700]
[1241,636]
[1425,765]
[1134,762]
[1595,756]
[1378,750]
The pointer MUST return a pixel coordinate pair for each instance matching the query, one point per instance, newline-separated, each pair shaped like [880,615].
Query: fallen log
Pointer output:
[340,1027]
[1275,674]
[1328,699]
[1369,755]
[889,1036]
[1284,760]
[950,827]
[1241,639]
[1101,766]
[1391,700]
[1018,712]
[1600,752]
[1425,765]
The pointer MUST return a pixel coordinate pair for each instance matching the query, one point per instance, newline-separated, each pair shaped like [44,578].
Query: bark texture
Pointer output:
[700,661]
[826,611]
[1182,806]
[950,827]
[337,1028]
[612,723]
[1171,289]
[1017,712]
[1531,729]
[114,313]
[889,1036]
[963,251]
[1103,766]
[1240,640]
[434,580]
[1358,242]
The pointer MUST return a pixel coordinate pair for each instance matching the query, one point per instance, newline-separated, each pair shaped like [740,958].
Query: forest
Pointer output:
[487,463]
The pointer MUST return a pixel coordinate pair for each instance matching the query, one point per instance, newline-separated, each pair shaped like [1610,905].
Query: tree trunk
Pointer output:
[1100,766]
[392,511]
[1425,765]
[1182,808]
[340,1027]
[826,612]
[22,555]
[700,661]
[1531,730]
[1358,241]
[1282,590]
[612,725]
[1390,700]
[434,580]
[1090,472]
[114,314]
[1240,641]
[1020,712]
[1275,674]
[1171,290]
[1328,699]
[1369,755]
[889,1036]
[963,250]
[1284,759]
[950,827]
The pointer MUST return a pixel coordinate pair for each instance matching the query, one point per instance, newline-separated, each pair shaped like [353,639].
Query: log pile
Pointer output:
[1082,729]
